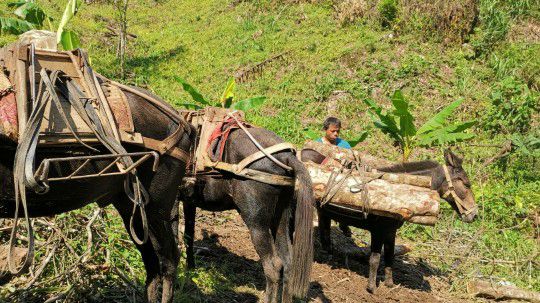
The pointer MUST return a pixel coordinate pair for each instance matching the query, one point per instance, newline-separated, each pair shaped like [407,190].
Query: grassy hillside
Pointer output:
[330,65]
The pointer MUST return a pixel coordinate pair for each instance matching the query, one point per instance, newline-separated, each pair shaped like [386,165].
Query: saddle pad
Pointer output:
[206,121]
[8,109]
[119,106]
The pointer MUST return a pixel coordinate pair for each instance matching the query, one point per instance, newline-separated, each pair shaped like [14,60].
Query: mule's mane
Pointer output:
[410,167]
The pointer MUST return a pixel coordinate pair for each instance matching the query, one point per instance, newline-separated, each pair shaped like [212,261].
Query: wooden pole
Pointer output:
[501,292]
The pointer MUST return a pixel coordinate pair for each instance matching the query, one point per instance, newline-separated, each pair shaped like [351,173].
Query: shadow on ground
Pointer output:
[408,273]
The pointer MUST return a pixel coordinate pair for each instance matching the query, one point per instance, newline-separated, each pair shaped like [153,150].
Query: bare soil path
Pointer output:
[224,245]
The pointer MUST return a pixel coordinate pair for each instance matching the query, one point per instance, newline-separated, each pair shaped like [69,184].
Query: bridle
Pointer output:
[452,192]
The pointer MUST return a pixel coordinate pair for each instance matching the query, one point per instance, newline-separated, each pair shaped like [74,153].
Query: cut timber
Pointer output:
[366,193]
[349,155]
[420,181]
[501,292]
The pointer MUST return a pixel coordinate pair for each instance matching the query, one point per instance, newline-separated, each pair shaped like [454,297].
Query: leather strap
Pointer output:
[279,163]
[173,151]
[264,177]
[256,175]
[451,191]
[262,153]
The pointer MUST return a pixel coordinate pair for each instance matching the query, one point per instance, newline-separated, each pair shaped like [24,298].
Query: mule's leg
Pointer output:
[148,254]
[324,231]
[345,229]
[389,245]
[263,241]
[189,232]
[167,250]
[374,259]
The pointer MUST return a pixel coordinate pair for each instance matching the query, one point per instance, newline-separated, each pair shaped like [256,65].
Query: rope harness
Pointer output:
[346,170]
[51,85]
[452,192]
[216,144]
[24,168]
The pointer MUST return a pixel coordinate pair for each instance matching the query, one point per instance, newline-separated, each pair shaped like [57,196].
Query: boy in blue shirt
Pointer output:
[332,126]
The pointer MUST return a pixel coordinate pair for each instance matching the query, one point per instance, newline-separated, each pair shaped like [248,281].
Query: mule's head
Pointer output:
[456,187]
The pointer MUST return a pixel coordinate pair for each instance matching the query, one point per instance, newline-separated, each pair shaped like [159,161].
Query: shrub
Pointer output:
[349,11]
[449,20]
[387,12]
[512,107]
[495,23]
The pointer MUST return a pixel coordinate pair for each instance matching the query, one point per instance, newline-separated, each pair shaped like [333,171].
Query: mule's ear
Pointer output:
[452,159]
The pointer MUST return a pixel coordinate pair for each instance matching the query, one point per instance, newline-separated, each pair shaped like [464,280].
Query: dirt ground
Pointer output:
[223,241]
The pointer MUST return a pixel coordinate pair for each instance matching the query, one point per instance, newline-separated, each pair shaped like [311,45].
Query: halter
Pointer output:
[451,191]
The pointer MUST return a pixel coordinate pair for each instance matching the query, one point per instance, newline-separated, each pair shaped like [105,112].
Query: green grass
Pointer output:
[205,42]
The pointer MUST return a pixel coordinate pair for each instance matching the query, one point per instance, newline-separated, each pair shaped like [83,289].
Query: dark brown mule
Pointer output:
[160,253]
[267,210]
[383,229]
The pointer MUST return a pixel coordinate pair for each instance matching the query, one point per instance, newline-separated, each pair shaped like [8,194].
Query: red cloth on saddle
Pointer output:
[8,115]
[218,138]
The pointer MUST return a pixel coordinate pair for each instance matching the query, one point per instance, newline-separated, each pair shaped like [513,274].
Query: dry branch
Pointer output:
[244,74]
[503,152]
[501,292]
[41,267]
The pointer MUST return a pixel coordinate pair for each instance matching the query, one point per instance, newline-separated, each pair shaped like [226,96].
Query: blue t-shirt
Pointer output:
[339,142]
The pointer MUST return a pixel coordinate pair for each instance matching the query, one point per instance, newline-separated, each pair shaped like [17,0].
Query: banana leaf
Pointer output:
[384,122]
[362,137]
[440,118]
[70,40]
[228,94]
[70,11]
[31,12]
[248,104]
[406,125]
[14,26]
[446,134]
[195,95]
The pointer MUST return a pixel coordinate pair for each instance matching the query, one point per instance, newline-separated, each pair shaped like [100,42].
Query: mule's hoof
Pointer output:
[389,283]
[371,289]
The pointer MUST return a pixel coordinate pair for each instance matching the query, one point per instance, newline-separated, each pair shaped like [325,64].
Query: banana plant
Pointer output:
[226,100]
[29,15]
[399,125]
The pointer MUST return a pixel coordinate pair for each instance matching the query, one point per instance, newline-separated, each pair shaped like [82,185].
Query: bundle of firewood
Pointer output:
[399,196]
[345,183]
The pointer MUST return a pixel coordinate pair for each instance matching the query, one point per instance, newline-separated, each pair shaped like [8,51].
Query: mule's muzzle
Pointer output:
[472,210]
[470,217]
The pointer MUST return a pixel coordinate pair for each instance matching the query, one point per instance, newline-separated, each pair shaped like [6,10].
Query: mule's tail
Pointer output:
[302,252]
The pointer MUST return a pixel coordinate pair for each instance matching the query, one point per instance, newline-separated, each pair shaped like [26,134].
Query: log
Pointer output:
[501,292]
[359,191]
[342,154]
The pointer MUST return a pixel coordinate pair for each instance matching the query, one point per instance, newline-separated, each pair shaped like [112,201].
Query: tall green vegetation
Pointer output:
[30,15]
[226,100]
[399,125]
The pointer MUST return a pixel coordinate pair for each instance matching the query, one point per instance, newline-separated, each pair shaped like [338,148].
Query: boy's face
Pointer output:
[332,133]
